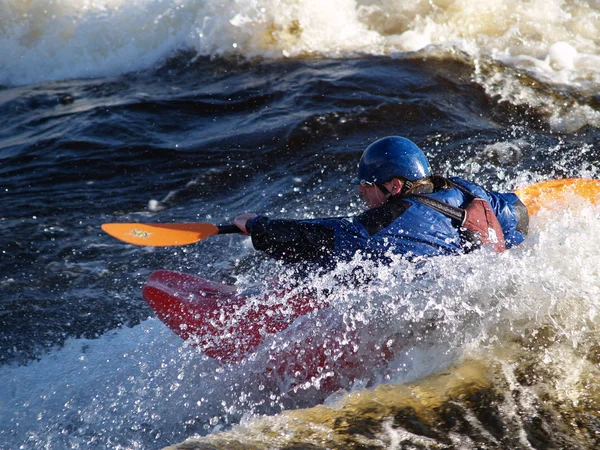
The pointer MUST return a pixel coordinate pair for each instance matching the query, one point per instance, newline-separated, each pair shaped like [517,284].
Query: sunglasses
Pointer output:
[363,183]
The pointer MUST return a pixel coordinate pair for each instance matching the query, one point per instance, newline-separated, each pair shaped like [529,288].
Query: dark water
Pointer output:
[203,140]
[212,139]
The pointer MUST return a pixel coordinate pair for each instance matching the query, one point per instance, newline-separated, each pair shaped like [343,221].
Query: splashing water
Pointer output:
[145,382]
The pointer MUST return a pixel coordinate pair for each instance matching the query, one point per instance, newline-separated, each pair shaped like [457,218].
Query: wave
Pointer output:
[510,358]
[523,374]
[40,41]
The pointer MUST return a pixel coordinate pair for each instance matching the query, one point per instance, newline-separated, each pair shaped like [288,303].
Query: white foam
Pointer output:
[79,38]
[555,42]
[144,388]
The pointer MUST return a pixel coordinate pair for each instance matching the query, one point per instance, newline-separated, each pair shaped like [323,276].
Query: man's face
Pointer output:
[372,196]
[375,197]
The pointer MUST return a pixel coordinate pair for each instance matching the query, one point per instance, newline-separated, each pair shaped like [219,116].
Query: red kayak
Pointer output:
[229,326]
[224,324]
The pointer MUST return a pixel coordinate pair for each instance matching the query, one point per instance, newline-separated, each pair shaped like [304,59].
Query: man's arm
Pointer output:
[292,240]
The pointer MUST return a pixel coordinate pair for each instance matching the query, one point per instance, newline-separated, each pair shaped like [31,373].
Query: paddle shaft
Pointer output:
[228,229]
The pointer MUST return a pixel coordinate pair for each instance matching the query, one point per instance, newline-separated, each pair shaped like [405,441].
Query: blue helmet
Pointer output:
[392,157]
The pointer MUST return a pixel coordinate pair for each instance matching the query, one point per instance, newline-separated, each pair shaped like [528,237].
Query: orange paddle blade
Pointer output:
[160,234]
[559,193]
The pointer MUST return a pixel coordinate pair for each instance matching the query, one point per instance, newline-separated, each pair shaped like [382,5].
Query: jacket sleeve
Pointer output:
[292,240]
[321,241]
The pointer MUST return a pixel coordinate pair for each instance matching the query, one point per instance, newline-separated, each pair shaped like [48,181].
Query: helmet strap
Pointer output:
[385,191]
[406,186]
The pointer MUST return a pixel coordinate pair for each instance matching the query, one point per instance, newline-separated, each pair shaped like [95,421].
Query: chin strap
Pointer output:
[406,186]
[385,191]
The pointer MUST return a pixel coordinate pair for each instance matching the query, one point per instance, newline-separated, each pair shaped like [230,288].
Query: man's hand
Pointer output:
[240,222]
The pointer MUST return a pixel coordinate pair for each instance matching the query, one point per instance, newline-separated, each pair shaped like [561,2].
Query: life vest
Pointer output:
[479,225]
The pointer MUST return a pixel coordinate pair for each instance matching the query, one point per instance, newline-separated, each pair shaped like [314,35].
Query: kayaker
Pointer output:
[397,184]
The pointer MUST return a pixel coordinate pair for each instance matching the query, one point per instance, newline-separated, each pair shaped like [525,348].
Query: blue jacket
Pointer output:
[402,226]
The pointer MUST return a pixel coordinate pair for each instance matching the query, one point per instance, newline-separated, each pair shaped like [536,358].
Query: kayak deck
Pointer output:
[224,324]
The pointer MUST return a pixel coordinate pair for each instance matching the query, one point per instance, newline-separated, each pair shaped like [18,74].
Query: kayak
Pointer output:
[218,319]
[228,325]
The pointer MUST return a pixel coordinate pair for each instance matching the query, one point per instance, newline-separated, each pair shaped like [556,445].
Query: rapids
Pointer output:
[197,110]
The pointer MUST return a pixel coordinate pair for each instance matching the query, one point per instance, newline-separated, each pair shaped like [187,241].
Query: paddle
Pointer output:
[562,193]
[536,196]
[165,234]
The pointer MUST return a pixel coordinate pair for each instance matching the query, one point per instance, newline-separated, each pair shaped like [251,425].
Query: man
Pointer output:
[408,214]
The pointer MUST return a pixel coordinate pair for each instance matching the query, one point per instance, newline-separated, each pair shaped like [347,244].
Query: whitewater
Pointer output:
[178,111]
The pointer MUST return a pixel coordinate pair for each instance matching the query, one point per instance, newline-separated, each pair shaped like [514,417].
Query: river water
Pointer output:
[197,110]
